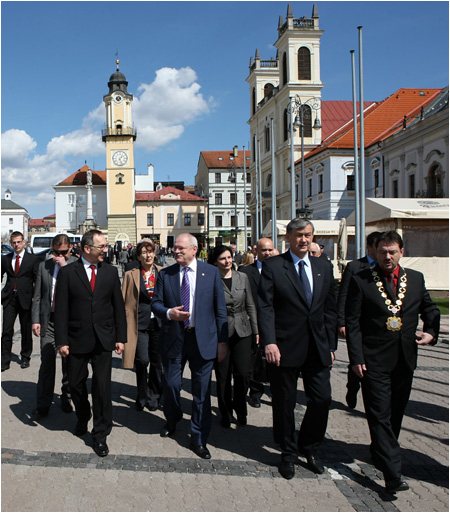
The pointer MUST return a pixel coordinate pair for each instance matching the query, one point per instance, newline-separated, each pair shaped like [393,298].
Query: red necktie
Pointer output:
[16,269]
[92,282]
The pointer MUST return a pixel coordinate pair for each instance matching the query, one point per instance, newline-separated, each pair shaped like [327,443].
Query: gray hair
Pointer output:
[299,223]
[192,240]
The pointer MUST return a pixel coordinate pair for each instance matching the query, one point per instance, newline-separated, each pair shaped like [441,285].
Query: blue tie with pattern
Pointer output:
[305,281]
[185,294]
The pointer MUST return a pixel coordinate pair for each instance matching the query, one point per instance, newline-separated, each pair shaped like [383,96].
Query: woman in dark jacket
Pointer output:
[242,325]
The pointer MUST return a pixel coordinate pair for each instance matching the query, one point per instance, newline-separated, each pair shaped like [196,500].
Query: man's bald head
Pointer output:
[314,249]
[264,249]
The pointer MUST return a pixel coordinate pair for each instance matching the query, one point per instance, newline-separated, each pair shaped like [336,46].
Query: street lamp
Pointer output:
[232,177]
[299,108]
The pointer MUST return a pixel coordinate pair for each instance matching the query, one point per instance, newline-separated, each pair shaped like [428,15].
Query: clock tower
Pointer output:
[119,136]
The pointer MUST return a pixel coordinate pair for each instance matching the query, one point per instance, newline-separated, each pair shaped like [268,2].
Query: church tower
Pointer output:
[119,136]
[293,73]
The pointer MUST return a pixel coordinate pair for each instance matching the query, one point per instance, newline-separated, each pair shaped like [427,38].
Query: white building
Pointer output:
[14,218]
[71,204]
[215,181]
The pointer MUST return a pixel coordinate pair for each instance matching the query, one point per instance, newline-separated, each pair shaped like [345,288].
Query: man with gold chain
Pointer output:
[381,314]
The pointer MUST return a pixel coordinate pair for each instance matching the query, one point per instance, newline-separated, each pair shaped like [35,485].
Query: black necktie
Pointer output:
[305,281]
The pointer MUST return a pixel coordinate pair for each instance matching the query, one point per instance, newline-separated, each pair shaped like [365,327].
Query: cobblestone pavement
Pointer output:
[46,468]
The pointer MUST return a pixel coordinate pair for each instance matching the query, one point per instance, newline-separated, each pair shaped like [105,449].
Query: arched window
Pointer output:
[267,138]
[268,90]
[434,182]
[284,69]
[269,180]
[253,101]
[307,122]
[304,64]
[285,124]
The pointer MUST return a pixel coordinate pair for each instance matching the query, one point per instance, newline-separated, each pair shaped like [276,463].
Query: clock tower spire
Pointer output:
[119,136]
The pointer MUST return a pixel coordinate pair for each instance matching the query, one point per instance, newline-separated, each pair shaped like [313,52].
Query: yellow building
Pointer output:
[168,212]
[119,136]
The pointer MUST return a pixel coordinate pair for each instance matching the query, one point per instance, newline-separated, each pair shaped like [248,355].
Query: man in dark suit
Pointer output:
[237,257]
[352,268]
[21,269]
[264,250]
[190,301]
[297,322]
[381,315]
[90,323]
[43,326]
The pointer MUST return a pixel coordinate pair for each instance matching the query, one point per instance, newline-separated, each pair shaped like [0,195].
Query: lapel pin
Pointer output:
[319,275]
[203,274]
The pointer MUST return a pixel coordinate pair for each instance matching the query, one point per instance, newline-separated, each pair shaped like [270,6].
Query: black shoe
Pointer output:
[315,464]
[167,430]
[25,364]
[40,412]
[138,406]
[254,403]
[396,485]
[5,367]
[287,469]
[201,451]
[66,407]
[101,449]
[351,398]
[151,407]
[242,420]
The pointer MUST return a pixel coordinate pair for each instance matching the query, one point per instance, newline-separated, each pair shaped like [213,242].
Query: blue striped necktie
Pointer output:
[305,281]
[185,294]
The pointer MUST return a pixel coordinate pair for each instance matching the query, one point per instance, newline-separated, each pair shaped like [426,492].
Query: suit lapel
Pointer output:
[294,277]
[174,279]
[317,280]
[81,272]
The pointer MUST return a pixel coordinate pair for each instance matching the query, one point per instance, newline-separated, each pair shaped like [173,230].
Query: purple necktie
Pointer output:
[185,294]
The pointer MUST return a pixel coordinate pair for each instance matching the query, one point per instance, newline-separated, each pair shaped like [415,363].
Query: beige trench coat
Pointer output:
[130,291]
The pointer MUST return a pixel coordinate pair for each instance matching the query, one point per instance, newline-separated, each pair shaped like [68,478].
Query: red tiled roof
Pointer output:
[221,159]
[39,222]
[381,119]
[183,195]
[335,114]
[80,178]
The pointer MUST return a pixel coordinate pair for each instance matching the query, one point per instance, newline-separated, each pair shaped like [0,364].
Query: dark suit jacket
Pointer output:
[25,279]
[368,339]
[254,276]
[284,317]
[82,315]
[241,310]
[42,297]
[210,314]
[352,268]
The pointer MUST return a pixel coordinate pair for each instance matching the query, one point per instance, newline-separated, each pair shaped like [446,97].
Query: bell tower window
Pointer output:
[304,64]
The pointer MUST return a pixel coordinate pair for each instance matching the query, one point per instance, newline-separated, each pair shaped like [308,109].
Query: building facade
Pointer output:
[168,212]
[14,217]
[222,182]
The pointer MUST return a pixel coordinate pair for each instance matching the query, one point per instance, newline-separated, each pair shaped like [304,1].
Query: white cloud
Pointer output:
[161,111]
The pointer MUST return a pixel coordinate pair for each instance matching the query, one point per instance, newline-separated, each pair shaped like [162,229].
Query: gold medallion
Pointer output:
[394,324]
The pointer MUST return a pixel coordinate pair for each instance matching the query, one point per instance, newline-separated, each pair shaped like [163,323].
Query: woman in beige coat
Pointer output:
[142,328]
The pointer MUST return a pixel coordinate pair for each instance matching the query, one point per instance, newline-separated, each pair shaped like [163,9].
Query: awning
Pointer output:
[322,228]
[378,209]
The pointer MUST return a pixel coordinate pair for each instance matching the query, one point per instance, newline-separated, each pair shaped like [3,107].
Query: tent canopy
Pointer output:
[378,209]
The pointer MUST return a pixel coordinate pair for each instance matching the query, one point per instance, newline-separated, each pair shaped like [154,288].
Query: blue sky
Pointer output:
[186,63]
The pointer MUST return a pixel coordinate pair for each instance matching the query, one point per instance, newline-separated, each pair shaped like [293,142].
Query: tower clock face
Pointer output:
[119,158]
[118,98]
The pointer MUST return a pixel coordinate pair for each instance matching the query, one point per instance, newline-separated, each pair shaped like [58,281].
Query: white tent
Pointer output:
[378,209]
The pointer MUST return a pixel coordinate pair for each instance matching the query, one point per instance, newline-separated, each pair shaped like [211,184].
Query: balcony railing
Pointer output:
[298,23]
[107,132]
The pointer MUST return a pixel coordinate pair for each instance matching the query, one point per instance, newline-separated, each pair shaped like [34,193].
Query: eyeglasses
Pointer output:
[101,248]
[59,252]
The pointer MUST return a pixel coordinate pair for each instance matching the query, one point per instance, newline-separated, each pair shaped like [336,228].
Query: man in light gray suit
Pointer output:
[42,318]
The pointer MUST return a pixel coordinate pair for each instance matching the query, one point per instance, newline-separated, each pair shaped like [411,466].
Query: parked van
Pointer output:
[41,243]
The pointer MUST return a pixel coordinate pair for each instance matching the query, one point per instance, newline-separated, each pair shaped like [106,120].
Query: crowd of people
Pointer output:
[223,311]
